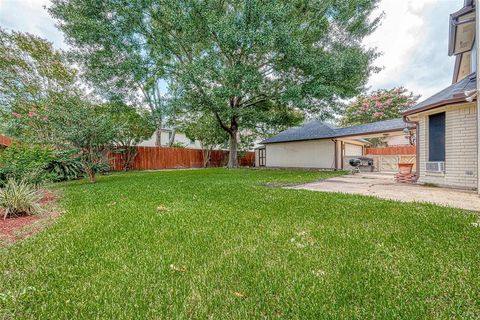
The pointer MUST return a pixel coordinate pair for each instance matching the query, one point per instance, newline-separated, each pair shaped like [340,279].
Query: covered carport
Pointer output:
[395,130]
[387,158]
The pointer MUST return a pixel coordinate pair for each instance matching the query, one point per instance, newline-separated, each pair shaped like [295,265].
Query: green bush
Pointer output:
[37,164]
[65,166]
[102,168]
[19,197]
[25,162]
[179,145]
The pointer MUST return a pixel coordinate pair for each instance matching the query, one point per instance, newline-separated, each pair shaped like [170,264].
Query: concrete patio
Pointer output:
[382,185]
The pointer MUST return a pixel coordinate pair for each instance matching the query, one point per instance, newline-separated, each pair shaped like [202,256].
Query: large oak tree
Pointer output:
[236,60]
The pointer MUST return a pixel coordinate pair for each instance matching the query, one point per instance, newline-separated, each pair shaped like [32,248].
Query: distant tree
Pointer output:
[132,126]
[383,104]
[83,126]
[41,101]
[205,129]
[73,124]
[234,60]
[109,41]
[33,77]
[267,124]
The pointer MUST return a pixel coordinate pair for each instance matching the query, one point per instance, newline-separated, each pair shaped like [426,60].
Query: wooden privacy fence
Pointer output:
[391,150]
[387,159]
[154,158]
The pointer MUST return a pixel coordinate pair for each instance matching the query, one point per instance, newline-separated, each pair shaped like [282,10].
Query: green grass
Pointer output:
[227,245]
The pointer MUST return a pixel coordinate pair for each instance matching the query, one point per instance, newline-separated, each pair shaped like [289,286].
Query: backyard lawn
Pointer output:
[232,244]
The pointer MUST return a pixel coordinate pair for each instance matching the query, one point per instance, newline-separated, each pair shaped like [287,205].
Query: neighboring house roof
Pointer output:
[316,129]
[452,94]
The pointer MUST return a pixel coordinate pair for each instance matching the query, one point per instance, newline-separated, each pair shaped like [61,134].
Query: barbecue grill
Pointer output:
[361,164]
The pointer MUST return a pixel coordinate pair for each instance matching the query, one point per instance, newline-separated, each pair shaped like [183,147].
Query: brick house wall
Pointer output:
[460,147]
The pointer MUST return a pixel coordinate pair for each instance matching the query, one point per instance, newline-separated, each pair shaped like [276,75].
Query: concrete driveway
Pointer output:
[383,186]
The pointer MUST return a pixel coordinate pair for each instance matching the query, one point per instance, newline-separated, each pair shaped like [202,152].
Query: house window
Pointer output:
[436,137]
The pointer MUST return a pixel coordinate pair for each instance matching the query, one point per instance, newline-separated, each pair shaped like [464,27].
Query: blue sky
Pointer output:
[412,38]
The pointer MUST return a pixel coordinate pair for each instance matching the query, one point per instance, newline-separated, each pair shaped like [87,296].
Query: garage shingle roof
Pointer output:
[452,94]
[310,131]
[316,129]
[374,127]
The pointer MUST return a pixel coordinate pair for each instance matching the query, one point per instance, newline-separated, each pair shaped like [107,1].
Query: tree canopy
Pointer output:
[109,43]
[205,129]
[236,60]
[132,126]
[382,104]
[33,76]
[42,102]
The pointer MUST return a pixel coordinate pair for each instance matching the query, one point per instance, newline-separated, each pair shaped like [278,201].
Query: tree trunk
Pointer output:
[158,137]
[91,175]
[205,155]
[124,156]
[232,156]
[128,156]
[172,137]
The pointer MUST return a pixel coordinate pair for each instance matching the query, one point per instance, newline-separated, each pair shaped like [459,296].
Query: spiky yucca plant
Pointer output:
[19,197]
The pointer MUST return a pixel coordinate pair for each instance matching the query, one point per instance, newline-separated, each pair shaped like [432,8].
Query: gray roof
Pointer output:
[374,127]
[316,129]
[452,94]
[310,131]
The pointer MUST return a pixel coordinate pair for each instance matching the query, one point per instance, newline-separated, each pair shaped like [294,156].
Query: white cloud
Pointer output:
[413,38]
[32,17]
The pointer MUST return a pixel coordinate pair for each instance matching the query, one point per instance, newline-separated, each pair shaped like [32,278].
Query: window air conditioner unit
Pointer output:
[435,166]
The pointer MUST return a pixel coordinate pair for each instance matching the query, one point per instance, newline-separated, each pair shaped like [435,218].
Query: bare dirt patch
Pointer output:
[19,227]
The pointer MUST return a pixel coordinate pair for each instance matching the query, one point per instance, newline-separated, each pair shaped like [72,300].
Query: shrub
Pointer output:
[25,162]
[66,166]
[179,145]
[19,197]
[36,164]
[102,167]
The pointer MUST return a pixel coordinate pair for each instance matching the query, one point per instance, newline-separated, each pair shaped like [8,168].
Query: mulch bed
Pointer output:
[19,227]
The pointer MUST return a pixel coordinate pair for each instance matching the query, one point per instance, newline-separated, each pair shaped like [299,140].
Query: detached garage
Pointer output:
[305,154]
[320,145]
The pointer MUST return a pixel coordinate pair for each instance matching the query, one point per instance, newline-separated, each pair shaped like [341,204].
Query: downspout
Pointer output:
[417,149]
[342,153]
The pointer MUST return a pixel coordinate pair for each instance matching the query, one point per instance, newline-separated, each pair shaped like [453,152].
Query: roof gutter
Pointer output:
[368,133]
[434,105]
